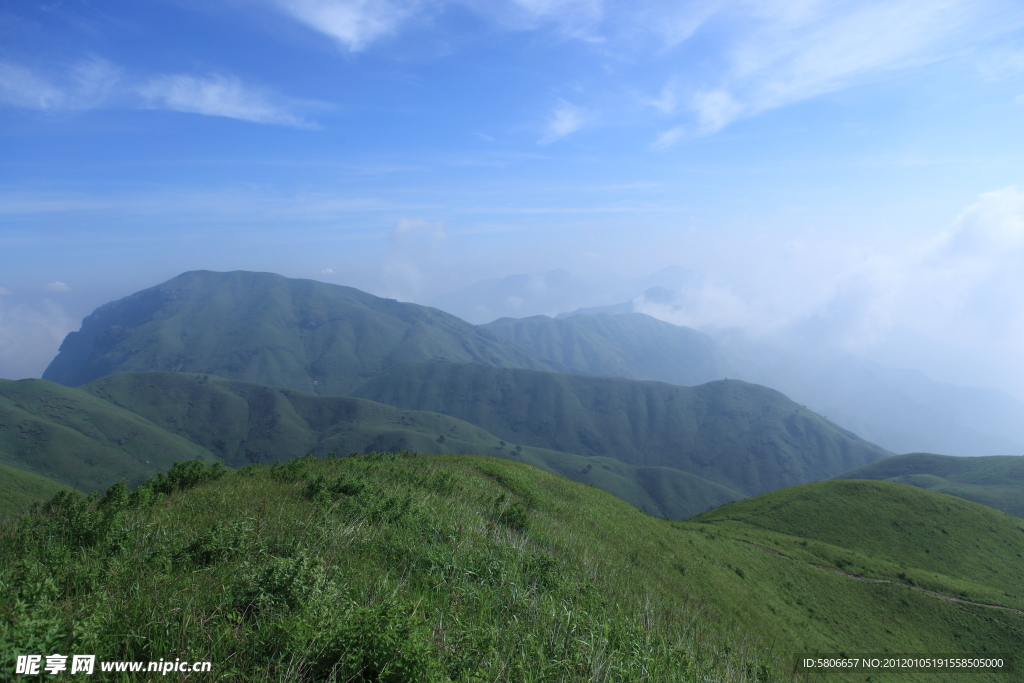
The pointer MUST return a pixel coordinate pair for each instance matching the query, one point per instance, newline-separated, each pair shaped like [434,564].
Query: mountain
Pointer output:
[132,425]
[747,438]
[82,441]
[264,328]
[398,567]
[996,481]
[19,490]
[629,345]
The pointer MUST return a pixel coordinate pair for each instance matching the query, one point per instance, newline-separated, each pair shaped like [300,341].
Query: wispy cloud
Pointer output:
[667,100]
[776,54]
[4,291]
[56,287]
[94,83]
[668,138]
[353,23]
[565,118]
[86,85]
[217,95]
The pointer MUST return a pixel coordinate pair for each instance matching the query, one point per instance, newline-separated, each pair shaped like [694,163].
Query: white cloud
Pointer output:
[56,287]
[780,53]
[20,87]
[94,83]
[565,119]
[327,271]
[412,242]
[353,23]
[30,337]
[667,100]
[667,138]
[949,305]
[86,85]
[4,291]
[216,95]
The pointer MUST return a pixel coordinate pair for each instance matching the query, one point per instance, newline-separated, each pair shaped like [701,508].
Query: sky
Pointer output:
[854,168]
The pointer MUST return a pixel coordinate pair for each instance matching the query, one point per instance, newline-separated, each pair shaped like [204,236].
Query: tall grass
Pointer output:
[386,567]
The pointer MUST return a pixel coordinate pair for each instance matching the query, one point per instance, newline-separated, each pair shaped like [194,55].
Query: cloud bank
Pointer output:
[955,296]
[30,337]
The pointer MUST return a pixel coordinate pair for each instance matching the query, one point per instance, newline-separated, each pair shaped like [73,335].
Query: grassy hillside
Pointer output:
[20,489]
[629,345]
[899,525]
[996,481]
[264,328]
[395,567]
[747,438]
[80,440]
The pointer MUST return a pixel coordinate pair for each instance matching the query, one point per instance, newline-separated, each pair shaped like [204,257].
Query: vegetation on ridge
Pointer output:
[396,567]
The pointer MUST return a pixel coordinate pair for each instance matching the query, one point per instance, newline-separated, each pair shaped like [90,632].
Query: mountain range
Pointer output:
[326,340]
[574,395]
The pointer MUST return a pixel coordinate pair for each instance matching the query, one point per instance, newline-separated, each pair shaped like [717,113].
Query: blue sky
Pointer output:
[853,162]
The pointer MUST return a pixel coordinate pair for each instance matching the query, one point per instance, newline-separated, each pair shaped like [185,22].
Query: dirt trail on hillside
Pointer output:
[855,577]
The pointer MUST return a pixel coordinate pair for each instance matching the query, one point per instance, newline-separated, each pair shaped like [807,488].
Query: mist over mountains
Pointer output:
[900,409]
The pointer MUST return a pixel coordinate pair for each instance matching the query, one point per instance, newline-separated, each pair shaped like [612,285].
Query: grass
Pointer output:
[398,567]
[886,530]
[19,490]
[82,441]
[375,568]
[996,480]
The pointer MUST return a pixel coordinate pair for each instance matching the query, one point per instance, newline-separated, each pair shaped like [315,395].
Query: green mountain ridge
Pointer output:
[80,440]
[896,523]
[397,567]
[109,429]
[267,329]
[748,438]
[996,480]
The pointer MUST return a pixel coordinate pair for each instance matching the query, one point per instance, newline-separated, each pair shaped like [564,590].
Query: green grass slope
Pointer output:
[82,441]
[629,345]
[966,543]
[243,423]
[19,490]
[996,480]
[395,567]
[745,437]
[264,328]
